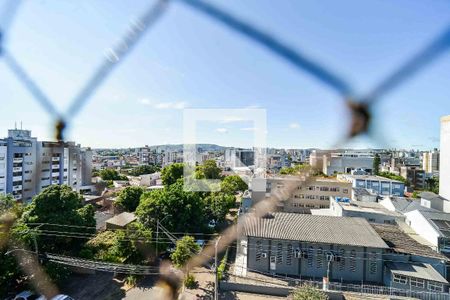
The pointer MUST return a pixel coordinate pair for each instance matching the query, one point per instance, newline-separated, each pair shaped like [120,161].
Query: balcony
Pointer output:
[55,158]
[55,174]
[18,160]
[17,169]
[17,178]
[55,166]
[17,188]
[55,181]
[18,197]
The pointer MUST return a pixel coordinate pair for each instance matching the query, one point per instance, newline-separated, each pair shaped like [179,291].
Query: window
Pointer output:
[334,189]
[324,189]
[373,263]
[345,191]
[258,250]
[420,283]
[311,188]
[342,261]
[310,256]
[371,220]
[435,286]
[290,253]
[279,253]
[353,261]
[400,279]
[319,257]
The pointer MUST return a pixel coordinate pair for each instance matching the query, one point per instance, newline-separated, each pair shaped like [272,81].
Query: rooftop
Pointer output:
[369,177]
[432,196]
[417,270]
[313,228]
[122,219]
[400,242]
[402,204]
[372,207]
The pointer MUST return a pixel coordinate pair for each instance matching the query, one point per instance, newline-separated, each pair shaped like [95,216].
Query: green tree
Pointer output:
[9,205]
[218,205]
[185,209]
[308,292]
[120,246]
[111,174]
[185,248]
[233,184]
[393,176]
[145,169]
[208,170]
[129,197]
[57,204]
[171,173]
[432,184]
[376,164]
[10,274]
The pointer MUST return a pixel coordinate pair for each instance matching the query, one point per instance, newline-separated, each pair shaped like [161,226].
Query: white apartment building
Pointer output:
[444,162]
[430,161]
[347,161]
[29,165]
[3,157]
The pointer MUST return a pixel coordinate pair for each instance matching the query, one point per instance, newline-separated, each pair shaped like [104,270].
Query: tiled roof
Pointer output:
[313,228]
[403,243]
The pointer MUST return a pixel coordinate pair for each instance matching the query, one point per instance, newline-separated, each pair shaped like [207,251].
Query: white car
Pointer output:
[28,295]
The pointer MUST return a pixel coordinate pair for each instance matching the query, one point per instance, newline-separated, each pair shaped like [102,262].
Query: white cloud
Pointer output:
[294,125]
[231,119]
[222,130]
[249,129]
[164,105]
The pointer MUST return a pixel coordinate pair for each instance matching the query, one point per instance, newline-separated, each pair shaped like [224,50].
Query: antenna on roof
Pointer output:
[15,125]
[20,125]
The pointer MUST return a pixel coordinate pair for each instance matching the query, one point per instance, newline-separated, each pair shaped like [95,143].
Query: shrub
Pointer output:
[308,292]
[189,282]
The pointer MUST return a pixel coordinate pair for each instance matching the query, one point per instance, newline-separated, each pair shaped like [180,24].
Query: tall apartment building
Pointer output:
[235,157]
[430,161]
[171,157]
[27,165]
[444,162]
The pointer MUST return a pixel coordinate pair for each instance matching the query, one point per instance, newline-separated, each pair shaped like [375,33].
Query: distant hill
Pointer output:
[179,147]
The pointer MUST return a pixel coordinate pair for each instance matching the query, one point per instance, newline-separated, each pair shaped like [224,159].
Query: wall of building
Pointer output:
[357,263]
[422,227]
[3,165]
[444,166]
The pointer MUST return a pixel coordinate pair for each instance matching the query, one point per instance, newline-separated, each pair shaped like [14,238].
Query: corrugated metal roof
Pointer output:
[417,270]
[313,228]
[122,219]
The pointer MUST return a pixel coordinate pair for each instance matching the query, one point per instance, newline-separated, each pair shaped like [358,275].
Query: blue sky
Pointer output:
[189,61]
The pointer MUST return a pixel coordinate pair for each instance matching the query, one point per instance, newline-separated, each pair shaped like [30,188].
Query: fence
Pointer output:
[360,108]
[283,287]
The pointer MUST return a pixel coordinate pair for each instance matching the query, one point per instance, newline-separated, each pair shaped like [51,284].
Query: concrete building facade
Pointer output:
[380,185]
[302,245]
[29,165]
[444,161]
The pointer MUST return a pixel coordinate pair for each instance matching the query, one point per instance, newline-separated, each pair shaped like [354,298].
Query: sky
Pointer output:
[189,61]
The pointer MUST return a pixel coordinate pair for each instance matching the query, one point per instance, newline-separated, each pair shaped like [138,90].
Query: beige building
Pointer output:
[313,193]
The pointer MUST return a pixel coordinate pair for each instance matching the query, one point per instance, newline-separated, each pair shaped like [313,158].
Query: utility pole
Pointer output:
[216,261]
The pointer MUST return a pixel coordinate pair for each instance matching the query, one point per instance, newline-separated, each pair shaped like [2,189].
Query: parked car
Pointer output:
[27,295]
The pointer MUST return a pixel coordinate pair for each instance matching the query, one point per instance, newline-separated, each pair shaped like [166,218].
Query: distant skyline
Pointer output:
[189,61]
